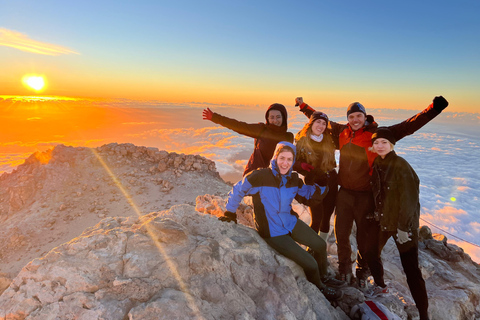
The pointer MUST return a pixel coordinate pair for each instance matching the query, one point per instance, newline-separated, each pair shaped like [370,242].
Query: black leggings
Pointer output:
[322,213]
[314,267]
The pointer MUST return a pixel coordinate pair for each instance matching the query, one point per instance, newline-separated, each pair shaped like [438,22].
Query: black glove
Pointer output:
[439,103]
[229,216]
[309,178]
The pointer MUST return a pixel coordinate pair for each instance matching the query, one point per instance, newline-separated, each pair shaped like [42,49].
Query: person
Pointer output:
[395,188]
[355,199]
[275,188]
[316,161]
[266,135]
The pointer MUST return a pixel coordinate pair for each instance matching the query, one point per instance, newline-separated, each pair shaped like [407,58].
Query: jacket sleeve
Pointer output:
[311,195]
[240,190]
[248,129]
[408,194]
[413,124]
[306,110]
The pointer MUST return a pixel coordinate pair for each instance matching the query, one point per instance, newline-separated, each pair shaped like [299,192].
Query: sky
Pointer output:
[142,71]
[385,54]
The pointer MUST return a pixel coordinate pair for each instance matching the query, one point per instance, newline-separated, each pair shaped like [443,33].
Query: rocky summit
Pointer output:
[127,232]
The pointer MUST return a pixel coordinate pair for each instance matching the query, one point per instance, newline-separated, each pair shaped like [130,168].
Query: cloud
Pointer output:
[20,41]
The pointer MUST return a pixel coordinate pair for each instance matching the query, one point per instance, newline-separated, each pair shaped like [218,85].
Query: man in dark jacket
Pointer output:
[355,199]
[266,135]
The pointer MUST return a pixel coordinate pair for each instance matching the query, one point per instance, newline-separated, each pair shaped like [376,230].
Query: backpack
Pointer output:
[372,310]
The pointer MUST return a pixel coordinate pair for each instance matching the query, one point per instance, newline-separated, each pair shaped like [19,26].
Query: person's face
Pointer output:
[319,126]
[356,120]
[382,147]
[275,117]
[284,161]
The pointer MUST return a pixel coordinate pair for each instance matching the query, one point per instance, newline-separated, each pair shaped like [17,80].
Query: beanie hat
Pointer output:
[385,133]
[318,115]
[356,107]
[282,109]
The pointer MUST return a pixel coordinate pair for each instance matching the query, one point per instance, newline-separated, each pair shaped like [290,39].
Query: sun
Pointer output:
[34,82]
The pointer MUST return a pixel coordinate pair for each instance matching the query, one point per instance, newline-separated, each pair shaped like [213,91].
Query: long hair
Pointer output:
[306,151]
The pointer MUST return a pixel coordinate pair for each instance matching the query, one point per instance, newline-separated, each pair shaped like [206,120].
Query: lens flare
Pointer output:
[453,199]
[36,83]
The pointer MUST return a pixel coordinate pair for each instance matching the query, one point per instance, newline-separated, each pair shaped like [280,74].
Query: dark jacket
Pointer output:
[320,177]
[266,136]
[276,192]
[355,165]
[396,191]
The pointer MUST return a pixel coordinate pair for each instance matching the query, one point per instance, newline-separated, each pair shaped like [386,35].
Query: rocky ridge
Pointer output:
[182,263]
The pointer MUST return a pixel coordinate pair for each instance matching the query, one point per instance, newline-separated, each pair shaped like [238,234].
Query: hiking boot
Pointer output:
[345,277]
[334,283]
[331,294]
[377,290]
[363,285]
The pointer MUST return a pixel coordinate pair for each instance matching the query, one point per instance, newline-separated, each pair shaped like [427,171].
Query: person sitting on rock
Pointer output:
[275,188]
[266,135]
[395,188]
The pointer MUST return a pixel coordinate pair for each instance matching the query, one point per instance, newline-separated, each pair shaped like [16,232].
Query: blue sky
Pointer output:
[385,54]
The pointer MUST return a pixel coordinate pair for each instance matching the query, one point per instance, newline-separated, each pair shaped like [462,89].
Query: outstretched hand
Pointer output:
[207,114]
[440,103]
[298,101]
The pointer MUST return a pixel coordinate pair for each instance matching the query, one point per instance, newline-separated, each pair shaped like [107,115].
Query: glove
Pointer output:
[309,179]
[207,114]
[298,101]
[439,103]
[307,167]
[228,217]
[402,236]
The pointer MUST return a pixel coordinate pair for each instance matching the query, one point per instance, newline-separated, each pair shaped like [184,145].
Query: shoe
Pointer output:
[334,283]
[377,290]
[363,285]
[332,294]
[346,277]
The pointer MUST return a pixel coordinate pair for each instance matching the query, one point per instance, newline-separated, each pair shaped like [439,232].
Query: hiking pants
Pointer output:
[352,206]
[409,257]
[314,267]
[322,213]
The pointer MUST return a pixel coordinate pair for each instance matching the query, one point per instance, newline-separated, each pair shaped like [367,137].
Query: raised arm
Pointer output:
[413,124]
[248,129]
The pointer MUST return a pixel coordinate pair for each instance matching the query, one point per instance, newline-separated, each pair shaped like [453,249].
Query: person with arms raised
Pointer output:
[355,199]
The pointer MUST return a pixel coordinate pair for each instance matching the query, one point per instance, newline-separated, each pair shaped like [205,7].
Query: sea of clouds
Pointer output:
[444,153]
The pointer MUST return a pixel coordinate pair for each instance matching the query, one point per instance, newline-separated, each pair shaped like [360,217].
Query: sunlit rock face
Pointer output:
[175,264]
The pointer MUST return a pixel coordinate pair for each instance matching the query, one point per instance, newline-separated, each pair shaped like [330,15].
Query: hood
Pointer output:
[283,111]
[273,162]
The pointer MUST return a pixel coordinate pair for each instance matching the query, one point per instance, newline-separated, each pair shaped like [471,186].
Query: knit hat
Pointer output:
[385,133]
[318,115]
[356,107]
[283,111]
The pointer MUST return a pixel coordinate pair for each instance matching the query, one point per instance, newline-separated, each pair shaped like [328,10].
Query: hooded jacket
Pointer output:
[266,136]
[396,192]
[275,193]
[355,165]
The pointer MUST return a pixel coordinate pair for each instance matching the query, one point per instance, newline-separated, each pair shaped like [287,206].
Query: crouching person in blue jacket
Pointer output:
[273,190]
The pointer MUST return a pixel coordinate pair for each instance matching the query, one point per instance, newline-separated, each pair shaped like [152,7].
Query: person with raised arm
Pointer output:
[266,135]
[355,199]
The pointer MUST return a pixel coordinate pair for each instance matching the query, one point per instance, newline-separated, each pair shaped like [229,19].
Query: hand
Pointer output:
[207,114]
[298,101]
[402,236]
[307,167]
[439,103]
[228,217]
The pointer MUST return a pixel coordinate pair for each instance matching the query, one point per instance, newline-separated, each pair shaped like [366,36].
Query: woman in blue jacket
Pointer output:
[275,188]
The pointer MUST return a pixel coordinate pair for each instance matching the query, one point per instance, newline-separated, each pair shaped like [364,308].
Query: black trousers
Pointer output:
[322,213]
[352,206]
[409,256]
[314,267]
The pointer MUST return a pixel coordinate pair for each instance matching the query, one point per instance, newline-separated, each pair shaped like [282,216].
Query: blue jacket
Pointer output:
[273,194]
